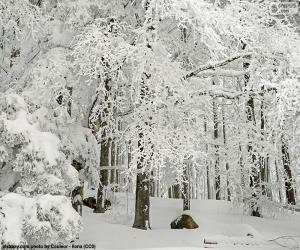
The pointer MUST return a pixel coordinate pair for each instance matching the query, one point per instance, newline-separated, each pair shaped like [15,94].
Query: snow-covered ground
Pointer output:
[218,221]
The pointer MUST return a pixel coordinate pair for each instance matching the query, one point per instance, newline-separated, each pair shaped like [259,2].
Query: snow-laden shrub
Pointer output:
[37,156]
[44,219]
[34,164]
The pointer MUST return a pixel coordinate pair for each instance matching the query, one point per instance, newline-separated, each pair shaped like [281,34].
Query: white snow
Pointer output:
[217,220]
[46,219]
[16,208]
[40,141]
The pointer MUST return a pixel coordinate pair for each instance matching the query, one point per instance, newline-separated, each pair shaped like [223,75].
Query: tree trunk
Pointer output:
[186,187]
[288,177]
[263,161]
[104,173]
[254,173]
[217,160]
[104,156]
[142,194]
[209,196]
[77,198]
[226,164]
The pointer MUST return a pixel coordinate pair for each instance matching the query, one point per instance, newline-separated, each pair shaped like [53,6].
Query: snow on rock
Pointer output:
[44,219]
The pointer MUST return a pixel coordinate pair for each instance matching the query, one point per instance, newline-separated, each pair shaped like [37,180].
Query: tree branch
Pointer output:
[217,64]
[3,68]
[221,72]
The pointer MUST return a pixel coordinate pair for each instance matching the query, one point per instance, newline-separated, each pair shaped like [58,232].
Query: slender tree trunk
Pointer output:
[186,187]
[142,195]
[254,173]
[104,173]
[263,161]
[217,160]
[77,192]
[288,177]
[279,181]
[176,194]
[226,164]
[209,196]
[104,157]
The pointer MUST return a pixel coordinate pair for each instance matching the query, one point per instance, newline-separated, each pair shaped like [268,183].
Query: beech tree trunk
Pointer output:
[104,156]
[254,173]
[288,177]
[226,164]
[209,196]
[142,194]
[186,188]
[104,174]
[217,160]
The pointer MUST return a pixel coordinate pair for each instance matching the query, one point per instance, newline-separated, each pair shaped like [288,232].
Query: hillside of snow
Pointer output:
[219,222]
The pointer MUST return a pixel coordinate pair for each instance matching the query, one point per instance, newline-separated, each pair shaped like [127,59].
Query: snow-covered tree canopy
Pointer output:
[175,92]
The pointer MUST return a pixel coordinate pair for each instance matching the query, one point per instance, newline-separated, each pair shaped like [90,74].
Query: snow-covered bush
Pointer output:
[42,176]
[45,219]
[35,155]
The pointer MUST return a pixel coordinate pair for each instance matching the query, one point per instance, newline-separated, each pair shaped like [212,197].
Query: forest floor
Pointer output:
[219,222]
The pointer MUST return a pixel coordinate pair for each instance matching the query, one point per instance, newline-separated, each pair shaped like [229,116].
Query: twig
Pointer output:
[3,68]
[287,237]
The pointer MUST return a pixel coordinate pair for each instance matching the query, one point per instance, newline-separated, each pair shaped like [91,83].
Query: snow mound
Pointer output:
[45,219]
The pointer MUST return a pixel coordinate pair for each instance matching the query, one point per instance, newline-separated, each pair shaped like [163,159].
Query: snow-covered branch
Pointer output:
[214,65]
[221,72]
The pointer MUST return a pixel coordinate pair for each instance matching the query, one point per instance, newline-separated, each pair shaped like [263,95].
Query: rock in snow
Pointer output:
[184,221]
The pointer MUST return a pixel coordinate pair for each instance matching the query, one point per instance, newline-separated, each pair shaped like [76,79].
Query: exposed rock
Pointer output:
[107,204]
[90,202]
[184,221]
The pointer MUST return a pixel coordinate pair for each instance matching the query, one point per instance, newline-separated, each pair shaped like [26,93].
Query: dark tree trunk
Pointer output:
[264,161]
[77,199]
[104,154]
[186,188]
[207,167]
[288,177]
[226,164]
[217,160]
[142,195]
[279,181]
[254,173]
[174,191]
[104,173]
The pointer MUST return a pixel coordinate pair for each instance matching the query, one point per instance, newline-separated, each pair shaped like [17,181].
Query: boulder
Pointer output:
[107,204]
[90,202]
[184,221]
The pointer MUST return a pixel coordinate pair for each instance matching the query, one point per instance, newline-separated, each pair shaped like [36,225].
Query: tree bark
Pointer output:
[288,177]
[217,160]
[104,156]
[142,194]
[186,188]
[209,196]
[104,173]
[254,173]
[226,164]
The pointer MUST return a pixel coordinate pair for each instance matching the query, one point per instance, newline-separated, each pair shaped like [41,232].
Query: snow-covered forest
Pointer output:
[123,120]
